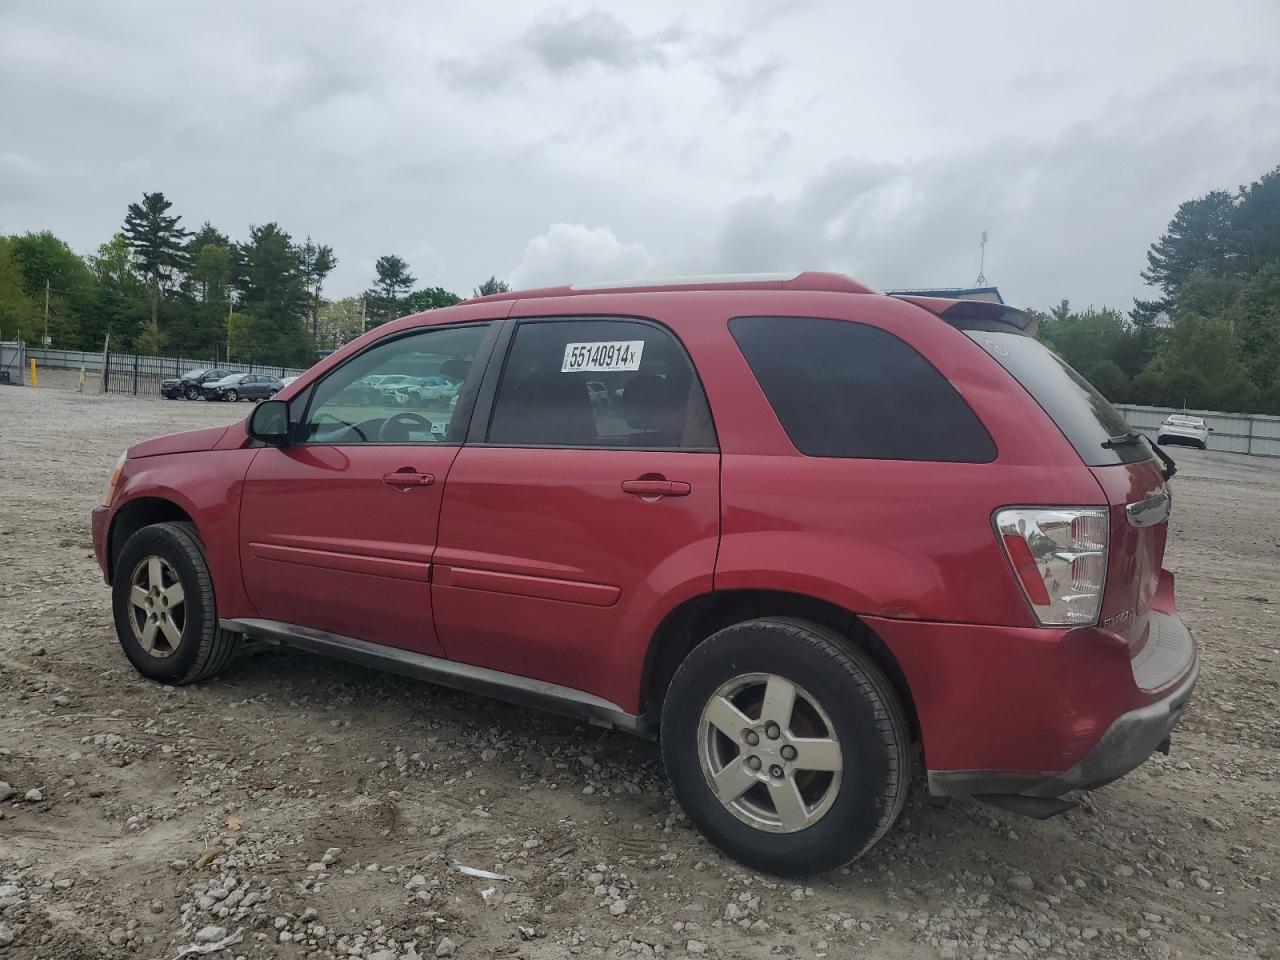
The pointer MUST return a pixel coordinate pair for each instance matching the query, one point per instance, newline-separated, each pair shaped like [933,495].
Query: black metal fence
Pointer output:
[140,376]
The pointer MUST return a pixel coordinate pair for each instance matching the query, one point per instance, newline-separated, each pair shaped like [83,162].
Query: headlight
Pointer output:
[115,479]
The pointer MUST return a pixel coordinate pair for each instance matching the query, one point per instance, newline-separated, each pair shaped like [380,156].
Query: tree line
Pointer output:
[1209,340]
[159,288]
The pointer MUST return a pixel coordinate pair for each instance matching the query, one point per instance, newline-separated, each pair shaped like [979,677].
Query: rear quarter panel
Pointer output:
[889,538]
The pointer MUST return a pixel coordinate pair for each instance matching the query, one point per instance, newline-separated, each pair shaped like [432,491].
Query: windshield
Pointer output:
[193,374]
[1084,416]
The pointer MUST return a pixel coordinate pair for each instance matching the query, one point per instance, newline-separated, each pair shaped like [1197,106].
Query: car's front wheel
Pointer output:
[193,393]
[165,615]
[786,745]
[231,395]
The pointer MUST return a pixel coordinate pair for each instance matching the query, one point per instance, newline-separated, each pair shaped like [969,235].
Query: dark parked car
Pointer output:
[190,383]
[242,386]
[823,537]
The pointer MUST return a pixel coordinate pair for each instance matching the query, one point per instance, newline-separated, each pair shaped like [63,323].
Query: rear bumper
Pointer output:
[1177,436]
[1128,742]
[100,520]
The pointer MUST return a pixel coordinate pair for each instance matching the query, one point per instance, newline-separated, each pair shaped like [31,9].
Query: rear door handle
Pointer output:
[656,488]
[408,478]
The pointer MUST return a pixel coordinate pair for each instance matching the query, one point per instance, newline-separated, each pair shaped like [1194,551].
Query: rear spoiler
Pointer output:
[977,314]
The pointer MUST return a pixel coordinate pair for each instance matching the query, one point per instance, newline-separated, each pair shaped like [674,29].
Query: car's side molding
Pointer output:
[461,676]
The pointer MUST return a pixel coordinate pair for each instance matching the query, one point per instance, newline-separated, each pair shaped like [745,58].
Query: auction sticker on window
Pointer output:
[603,356]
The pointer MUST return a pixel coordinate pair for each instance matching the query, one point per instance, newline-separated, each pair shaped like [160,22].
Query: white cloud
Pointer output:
[572,252]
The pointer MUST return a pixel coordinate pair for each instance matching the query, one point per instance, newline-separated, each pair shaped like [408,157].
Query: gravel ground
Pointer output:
[301,808]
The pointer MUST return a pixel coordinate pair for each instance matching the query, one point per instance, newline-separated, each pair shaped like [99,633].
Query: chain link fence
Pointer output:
[13,362]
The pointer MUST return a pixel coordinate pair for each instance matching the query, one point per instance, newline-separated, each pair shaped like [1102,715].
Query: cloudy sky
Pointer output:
[558,142]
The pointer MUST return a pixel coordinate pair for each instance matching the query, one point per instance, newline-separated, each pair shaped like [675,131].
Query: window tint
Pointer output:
[1083,415]
[844,389]
[402,390]
[600,383]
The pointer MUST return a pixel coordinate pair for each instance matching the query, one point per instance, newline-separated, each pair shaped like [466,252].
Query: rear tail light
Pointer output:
[1060,557]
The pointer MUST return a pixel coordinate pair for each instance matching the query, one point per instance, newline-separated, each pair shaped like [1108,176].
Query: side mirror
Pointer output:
[269,423]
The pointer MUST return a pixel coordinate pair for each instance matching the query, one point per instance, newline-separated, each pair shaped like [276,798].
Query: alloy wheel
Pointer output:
[770,753]
[157,607]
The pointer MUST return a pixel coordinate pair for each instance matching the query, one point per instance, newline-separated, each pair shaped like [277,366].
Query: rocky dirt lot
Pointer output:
[302,808]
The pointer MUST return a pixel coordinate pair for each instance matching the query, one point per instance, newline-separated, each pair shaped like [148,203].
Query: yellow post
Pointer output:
[33,371]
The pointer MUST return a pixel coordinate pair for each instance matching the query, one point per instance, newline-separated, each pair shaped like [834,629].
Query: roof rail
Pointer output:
[811,280]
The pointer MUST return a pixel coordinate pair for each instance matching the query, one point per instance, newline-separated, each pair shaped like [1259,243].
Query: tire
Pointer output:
[271,393]
[837,687]
[201,649]
[231,395]
[193,393]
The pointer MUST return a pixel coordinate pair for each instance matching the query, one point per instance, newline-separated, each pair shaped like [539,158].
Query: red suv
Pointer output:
[803,532]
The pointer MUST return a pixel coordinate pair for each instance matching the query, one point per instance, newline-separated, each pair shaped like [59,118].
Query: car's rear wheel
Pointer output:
[193,393]
[786,745]
[165,615]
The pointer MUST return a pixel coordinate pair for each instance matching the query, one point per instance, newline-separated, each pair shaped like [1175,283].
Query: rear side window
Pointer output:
[1083,415]
[615,384]
[843,389]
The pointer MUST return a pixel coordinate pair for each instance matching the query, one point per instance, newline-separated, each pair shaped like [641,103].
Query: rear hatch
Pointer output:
[1126,466]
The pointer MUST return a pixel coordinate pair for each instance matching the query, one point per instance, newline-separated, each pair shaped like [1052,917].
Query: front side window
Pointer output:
[402,390]
[617,384]
[844,389]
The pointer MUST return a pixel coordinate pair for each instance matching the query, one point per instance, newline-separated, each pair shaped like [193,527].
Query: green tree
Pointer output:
[490,287]
[122,300]
[385,298]
[316,262]
[430,298]
[1198,365]
[1255,225]
[1255,321]
[156,241]
[1099,344]
[1197,238]
[341,321]
[19,314]
[49,266]
[274,296]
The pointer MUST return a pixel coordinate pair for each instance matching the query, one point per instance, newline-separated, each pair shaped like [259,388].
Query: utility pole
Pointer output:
[47,341]
[363,328]
[982,261]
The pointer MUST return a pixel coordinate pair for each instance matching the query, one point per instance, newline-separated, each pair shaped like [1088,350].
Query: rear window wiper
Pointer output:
[1169,468]
[1133,436]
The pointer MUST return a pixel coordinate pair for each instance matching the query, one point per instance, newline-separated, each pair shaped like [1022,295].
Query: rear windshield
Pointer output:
[1083,415]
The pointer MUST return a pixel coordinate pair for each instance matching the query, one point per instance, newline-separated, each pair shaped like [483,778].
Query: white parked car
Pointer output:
[1188,431]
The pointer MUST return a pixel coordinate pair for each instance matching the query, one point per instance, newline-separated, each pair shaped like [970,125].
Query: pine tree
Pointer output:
[386,297]
[316,262]
[490,287]
[156,241]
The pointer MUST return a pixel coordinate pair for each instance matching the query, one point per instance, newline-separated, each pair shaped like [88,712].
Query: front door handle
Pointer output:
[656,488]
[408,477]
